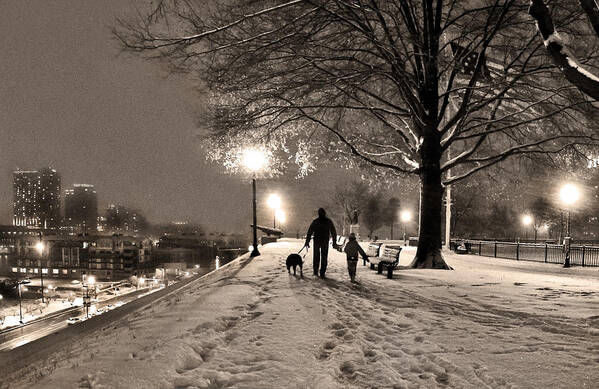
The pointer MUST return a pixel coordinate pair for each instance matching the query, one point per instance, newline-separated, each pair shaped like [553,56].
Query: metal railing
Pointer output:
[581,255]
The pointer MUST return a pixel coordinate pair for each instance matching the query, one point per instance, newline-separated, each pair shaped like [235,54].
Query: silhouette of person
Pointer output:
[323,229]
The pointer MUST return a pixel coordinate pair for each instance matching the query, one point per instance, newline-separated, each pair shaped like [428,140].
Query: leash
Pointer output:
[305,247]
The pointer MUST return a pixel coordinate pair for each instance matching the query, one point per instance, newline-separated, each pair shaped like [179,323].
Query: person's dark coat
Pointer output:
[322,228]
[352,249]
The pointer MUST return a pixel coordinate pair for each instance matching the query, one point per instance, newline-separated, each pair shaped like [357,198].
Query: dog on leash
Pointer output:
[294,260]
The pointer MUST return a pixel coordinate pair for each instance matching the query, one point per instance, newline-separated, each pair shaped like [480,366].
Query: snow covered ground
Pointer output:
[490,323]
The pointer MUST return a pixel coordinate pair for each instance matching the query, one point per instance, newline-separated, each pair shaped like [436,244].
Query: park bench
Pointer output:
[373,250]
[389,260]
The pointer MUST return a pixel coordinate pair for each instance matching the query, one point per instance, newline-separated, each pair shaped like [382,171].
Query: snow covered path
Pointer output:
[490,323]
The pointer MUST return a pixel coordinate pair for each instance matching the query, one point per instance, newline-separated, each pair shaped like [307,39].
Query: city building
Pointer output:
[55,256]
[107,257]
[36,198]
[120,219]
[112,257]
[81,208]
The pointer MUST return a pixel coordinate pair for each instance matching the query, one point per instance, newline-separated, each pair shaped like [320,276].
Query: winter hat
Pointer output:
[352,236]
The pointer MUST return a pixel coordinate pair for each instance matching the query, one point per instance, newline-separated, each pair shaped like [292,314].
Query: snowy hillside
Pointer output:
[490,323]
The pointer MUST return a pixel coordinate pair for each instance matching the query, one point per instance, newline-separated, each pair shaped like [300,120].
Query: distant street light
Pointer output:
[527,221]
[274,202]
[254,160]
[569,195]
[40,249]
[405,217]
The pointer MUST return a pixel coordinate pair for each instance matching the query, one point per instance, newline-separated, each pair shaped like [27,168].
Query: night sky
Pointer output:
[69,99]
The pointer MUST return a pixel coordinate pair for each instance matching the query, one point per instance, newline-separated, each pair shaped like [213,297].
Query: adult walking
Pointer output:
[323,229]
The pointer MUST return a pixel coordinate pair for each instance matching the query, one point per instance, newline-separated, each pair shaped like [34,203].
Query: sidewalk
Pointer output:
[251,325]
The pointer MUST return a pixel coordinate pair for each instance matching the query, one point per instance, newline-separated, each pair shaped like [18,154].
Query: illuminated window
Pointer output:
[55,271]
[15,270]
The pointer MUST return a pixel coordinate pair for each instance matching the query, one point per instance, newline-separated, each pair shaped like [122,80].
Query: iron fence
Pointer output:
[539,252]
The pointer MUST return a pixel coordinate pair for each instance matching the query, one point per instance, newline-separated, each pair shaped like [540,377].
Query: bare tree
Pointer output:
[437,89]
[390,213]
[373,216]
[351,199]
[565,60]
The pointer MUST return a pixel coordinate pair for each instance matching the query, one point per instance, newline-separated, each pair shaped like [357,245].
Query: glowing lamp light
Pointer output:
[250,248]
[406,216]
[527,220]
[254,160]
[569,194]
[280,215]
[91,280]
[274,201]
[39,247]
[141,280]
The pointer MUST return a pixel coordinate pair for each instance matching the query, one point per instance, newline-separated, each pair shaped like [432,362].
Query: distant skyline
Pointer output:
[71,101]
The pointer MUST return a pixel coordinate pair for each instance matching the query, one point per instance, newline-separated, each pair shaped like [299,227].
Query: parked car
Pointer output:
[74,320]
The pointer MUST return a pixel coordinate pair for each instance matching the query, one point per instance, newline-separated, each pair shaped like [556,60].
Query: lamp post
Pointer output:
[90,281]
[19,283]
[253,161]
[569,195]
[405,216]
[40,249]
[274,202]
[527,221]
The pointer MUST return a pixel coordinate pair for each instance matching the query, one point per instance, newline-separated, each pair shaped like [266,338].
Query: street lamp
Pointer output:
[40,249]
[527,221]
[19,283]
[569,195]
[274,202]
[254,160]
[405,216]
[90,281]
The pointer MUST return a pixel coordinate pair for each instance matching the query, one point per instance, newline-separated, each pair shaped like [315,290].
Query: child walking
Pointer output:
[352,249]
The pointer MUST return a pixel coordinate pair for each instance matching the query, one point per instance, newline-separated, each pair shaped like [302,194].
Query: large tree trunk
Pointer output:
[428,255]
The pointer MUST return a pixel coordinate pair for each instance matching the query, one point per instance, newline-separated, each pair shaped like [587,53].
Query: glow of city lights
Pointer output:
[274,201]
[406,216]
[250,248]
[253,159]
[527,220]
[141,280]
[569,194]
[91,280]
[39,247]
[280,215]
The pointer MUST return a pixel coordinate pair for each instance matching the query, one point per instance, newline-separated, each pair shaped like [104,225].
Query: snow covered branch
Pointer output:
[561,56]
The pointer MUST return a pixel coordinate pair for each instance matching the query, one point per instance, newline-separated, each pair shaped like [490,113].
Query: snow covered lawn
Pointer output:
[490,323]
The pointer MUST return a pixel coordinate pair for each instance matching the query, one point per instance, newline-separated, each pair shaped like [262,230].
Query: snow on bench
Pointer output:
[373,251]
[389,260]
